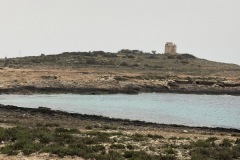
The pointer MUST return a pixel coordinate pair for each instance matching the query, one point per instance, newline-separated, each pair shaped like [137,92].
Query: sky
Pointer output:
[208,29]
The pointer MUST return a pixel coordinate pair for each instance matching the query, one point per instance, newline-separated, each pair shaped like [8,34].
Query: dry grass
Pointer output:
[118,136]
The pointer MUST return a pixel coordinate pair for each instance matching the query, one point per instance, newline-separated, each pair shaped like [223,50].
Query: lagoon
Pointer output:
[182,109]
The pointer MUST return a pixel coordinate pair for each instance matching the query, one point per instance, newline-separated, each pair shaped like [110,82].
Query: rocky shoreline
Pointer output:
[57,134]
[125,90]
[62,135]
[50,112]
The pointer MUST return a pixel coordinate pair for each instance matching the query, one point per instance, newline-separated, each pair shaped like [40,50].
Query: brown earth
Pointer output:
[104,73]
[92,73]
[11,116]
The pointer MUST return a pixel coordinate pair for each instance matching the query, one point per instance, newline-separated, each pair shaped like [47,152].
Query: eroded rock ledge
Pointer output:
[125,90]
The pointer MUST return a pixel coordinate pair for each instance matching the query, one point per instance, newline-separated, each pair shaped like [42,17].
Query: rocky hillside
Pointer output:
[123,72]
[133,60]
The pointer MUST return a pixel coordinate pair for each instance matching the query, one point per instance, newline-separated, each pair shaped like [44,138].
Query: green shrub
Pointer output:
[130,147]
[19,144]
[155,136]
[237,141]
[124,64]
[22,133]
[111,155]
[136,155]
[236,151]
[129,154]
[226,143]
[236,134]
[89,127]
[173,138]
[130,56]
[98,148]
[138,137]
[60,151]
[116,133]
[63,130]
[30,148]
[114,155]
[117,146]
[120,78]
[9,150]
[224,154]
[202,143]
[92,61]
[46,138]
[200,153]
[106,127]
[99,136]
[165,157]
[169,151]
[52,125]
[63,138]
[2,134]
[212,139]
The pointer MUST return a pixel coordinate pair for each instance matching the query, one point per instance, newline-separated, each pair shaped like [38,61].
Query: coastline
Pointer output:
[62,135]
[126,90]
[137,123]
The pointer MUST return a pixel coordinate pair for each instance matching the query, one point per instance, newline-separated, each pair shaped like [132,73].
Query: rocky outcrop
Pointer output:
[171,87]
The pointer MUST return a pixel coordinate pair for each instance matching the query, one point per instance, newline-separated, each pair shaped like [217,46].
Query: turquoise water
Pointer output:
[184,109]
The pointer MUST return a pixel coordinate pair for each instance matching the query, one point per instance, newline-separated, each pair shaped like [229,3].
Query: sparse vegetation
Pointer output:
[117,78]
[155,136]
[72,142]
[209,150]
[186,63]
[105,72]
[105,140]
[133,70]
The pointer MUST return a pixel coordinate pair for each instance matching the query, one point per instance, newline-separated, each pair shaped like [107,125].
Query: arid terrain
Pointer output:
[123,72]
[46,134]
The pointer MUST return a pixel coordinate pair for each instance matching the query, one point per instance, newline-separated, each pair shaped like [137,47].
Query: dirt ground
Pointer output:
[97,81]
[109,74]
[175,135]
[36,157]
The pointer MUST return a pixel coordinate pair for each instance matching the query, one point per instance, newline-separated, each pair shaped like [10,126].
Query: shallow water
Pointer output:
[184,109]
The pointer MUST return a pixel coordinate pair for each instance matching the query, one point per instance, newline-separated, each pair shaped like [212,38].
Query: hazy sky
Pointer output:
[208,29]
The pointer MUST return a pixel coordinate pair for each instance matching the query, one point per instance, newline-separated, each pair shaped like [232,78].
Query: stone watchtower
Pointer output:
[170,48]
